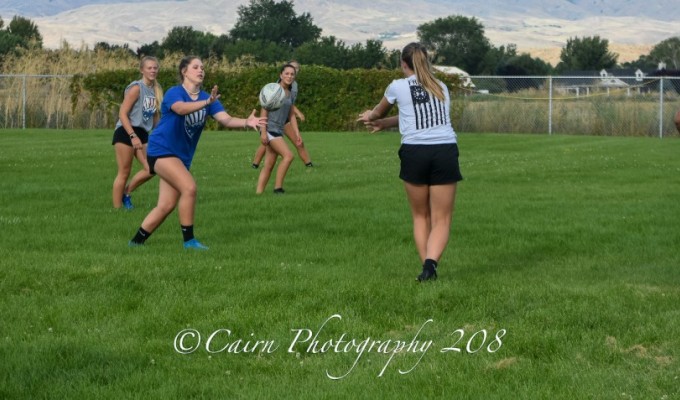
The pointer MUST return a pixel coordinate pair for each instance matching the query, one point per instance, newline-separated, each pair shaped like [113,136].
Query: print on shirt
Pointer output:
[194,122]
[429,110]
[148,107]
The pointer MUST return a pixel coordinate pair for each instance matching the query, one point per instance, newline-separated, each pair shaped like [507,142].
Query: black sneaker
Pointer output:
[309,164]
[279,191]
[255,166]
[427,274]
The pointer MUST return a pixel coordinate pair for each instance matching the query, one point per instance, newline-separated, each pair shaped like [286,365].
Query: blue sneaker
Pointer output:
[195,244]
[127,202]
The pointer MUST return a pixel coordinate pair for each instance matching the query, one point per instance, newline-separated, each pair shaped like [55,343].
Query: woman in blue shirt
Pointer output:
[172,145]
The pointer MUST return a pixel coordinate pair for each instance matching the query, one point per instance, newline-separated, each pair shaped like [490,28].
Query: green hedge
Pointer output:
[330,99]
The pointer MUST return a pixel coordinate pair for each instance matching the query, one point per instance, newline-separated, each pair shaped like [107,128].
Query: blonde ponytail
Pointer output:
[415,56]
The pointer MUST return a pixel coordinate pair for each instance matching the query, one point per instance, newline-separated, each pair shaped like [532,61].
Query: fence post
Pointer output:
[23,103]
[550,105]
[661,109]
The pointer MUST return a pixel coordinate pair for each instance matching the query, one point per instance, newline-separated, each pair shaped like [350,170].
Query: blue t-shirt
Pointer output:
[177,135]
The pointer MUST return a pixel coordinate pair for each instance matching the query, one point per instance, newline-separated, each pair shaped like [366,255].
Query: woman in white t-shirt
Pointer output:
[428,152]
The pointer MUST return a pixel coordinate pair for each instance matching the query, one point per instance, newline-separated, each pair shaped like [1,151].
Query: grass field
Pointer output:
[561,279]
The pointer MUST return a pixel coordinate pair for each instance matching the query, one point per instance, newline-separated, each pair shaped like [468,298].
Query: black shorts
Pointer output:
[120,136]
[151,160]
[435,164]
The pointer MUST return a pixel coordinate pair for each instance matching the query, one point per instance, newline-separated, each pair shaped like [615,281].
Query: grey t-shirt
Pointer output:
[276,119]
[141,113]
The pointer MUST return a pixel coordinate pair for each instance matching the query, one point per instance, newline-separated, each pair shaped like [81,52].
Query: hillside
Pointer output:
[538,27]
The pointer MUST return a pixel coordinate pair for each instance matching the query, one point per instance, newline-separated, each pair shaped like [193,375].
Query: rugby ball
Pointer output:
[272,96]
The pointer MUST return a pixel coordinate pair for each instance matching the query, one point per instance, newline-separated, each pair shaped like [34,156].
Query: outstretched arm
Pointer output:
[382,124]
[228,121]
[377,112]
[188,107]
[373,118]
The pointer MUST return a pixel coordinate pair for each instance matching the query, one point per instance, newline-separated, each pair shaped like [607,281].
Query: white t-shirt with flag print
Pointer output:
[423,118]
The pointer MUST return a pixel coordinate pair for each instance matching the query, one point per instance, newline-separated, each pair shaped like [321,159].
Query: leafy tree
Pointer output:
[496,57]
[644,62]
[219,46]
[668,52]
[184,39]
[20,33]
[112,48]
[260,50]
[153,49]
[10,43]
[25,29]
[586,54]
[328,51]
[456,41]
[393,59]
[269,21]
[370,56]
[524,65]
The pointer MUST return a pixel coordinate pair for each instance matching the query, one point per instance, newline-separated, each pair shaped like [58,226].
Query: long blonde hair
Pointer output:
[157,89]
[415,56]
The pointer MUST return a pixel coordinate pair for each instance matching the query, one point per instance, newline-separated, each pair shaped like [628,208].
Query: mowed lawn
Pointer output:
[561,279]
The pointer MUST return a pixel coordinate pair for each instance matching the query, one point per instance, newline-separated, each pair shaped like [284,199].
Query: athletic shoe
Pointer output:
[427,274]
[135,244]
[279,191]
[127,202]
[195,244]
[256,166]
[309,164]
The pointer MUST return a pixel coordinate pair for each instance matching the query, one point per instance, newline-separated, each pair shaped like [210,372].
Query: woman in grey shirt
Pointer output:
[138,115]
[272,135]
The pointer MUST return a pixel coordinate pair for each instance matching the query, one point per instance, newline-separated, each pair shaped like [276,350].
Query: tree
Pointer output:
[153,49]
[668,52]
[644,62]
[113,48]
[266,20]
[496,57]
[524,65]
[586,54]
[25,29]
[20,33]
[328,51]
[456,41]
[370,56]
[184,39]
[260,50]
[9,43]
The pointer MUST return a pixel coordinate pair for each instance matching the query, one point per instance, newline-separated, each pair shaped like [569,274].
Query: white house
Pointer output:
[464,76]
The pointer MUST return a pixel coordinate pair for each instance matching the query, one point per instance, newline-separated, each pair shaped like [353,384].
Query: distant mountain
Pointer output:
[531,24]
[662,10]
[46,8]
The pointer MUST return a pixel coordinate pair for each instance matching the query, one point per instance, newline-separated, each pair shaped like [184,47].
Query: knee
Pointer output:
[166,207]
[268,167]
[288,158]
[190,190]
[124,171]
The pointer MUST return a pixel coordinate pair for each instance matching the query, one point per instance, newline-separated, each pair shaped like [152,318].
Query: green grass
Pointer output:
[563,247]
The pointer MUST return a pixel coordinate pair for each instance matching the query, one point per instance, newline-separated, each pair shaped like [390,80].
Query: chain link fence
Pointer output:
[590,105]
